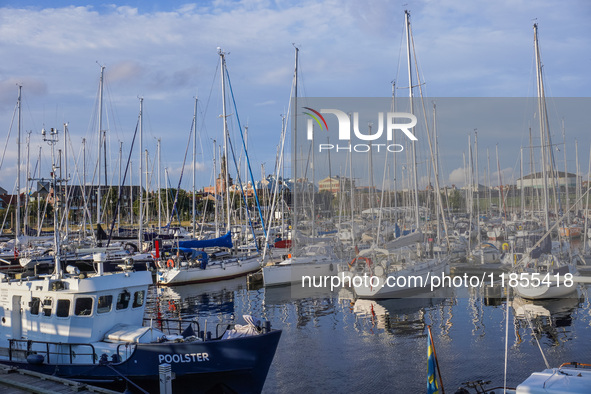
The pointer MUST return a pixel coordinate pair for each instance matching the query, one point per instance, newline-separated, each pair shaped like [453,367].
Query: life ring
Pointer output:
[356,259]
[170,263]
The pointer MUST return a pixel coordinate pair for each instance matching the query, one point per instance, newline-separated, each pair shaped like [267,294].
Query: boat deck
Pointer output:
[14,380]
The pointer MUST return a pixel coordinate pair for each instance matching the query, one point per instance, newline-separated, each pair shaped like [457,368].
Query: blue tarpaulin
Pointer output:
[221,242]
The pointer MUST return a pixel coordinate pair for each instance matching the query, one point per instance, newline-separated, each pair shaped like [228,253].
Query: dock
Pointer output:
[15,380]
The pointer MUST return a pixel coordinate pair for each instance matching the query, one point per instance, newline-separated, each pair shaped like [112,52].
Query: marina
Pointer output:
[361,244]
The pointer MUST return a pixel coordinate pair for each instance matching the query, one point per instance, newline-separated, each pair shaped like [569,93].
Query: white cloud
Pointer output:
[457,177]
[166,55]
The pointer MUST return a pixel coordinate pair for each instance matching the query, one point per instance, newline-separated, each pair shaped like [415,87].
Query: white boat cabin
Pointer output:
[71,309]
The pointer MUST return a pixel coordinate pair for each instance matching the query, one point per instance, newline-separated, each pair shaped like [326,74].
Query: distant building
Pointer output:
[536,180]
[246,188]
[2,191]
[334,184]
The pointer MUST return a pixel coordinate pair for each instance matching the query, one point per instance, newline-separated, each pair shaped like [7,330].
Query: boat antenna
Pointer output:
[52,140]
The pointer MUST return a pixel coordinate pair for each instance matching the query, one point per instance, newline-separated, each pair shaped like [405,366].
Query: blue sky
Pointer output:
[166,52]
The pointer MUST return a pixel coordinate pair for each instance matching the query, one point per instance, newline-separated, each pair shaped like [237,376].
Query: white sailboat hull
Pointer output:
[283,274]
[400,283]
[219,270]
[554,289]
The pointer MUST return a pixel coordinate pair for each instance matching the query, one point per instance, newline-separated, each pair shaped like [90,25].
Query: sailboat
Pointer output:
[218,259]
[543,272]
[314,256]
[399,268]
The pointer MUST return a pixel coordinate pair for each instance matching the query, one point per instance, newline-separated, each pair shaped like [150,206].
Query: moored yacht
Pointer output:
[198,261]
[314,260]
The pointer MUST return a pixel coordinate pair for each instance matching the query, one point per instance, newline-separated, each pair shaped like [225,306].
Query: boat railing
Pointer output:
[178,327]
[172,326]
[225,325]
[17,345]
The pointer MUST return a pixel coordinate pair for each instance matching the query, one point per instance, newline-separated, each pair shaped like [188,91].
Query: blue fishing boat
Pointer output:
[91,328]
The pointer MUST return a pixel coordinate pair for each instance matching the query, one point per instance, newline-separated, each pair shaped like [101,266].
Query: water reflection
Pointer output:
[400,316]
[331,340]
[299,305]
[549,319]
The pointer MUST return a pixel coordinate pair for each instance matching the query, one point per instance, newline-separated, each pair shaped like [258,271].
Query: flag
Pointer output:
[432,385]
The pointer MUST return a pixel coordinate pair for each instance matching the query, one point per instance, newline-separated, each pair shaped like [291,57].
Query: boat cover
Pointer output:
[250,329]
[221,242]
[135,334]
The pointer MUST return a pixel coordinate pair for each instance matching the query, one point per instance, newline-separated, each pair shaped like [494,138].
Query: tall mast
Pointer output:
[294,193]
[141,150]
[147,187]
[393,156]
[410,95]
[565,172]
[522,184]
[38,198]
[131,192]
[194,169]
[477,188]
[27,179]
[119,183]
[83,184]
[541,114]
[65,180]
[578,190]
[437,192]
[100,138]
[18,170]
[159,188]
[225,164]
[215,191]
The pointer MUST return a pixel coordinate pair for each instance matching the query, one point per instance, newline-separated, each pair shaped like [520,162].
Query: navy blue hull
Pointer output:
[218,366]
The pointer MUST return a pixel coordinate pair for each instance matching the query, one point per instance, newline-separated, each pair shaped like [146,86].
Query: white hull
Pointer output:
[417,277]
[555,289]
[557,380]
[283,274]
[215,271]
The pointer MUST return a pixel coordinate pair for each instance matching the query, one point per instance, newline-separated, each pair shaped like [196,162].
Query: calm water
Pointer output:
[332,344]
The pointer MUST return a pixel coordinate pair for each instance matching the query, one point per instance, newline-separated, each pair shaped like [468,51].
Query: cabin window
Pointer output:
[104,304]
[138,299]
[47,306]
[35,303]
[63,308]
[123,300]
[83,306]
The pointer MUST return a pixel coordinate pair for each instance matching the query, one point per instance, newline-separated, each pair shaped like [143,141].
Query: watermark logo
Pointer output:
[390,125]
[314,116]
